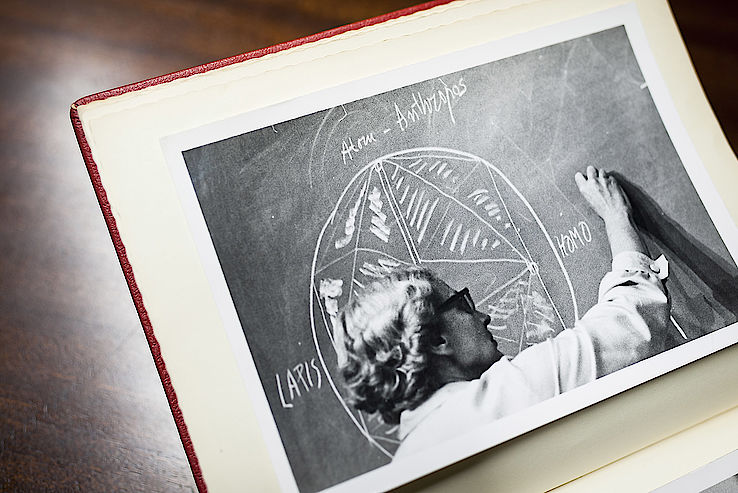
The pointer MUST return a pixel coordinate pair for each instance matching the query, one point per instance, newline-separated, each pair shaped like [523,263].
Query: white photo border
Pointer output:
[403,471]
[711,474]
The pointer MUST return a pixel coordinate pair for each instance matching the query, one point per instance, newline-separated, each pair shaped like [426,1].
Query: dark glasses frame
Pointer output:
[463,296]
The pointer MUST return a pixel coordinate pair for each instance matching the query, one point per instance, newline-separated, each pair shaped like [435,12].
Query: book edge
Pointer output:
[224,62]
[148,329]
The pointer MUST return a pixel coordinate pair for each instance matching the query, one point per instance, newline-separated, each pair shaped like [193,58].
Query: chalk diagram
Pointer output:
[458,215]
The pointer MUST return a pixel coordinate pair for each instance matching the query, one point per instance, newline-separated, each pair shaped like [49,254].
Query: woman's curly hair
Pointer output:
[384,339]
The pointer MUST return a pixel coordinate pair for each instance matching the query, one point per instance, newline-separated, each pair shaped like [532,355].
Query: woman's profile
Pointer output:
[419,354]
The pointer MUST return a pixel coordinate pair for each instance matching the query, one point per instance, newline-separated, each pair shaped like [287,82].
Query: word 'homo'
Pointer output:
[349,148]
[574,239]
[427,105]
[302,378]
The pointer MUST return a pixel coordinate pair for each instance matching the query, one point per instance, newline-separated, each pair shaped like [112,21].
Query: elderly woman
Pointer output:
[419,353]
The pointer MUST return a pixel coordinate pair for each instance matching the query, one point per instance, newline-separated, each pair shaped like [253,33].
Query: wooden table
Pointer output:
[81,406]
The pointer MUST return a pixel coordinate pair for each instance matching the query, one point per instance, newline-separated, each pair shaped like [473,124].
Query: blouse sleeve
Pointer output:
[629,321]
[625,326]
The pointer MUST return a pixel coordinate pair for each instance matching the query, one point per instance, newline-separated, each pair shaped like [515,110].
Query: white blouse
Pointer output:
[625,326]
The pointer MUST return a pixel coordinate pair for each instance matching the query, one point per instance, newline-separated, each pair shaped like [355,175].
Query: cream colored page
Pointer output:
[666,460]
[124,134]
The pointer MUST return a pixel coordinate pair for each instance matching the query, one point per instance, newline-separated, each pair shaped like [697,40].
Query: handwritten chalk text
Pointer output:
[349,148]
[299,380]
[574,239]
[425,106]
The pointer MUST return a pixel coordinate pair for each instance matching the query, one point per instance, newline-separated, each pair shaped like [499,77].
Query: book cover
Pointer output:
[266,210]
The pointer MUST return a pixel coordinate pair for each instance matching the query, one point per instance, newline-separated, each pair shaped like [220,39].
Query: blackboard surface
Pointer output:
[470,174]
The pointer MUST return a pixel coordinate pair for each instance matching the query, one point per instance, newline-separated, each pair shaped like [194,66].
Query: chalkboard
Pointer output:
[470,174]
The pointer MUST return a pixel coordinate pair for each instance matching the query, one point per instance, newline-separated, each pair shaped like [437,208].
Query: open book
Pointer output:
[251,199]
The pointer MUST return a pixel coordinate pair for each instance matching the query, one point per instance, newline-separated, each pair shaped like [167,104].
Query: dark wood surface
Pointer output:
[81,405]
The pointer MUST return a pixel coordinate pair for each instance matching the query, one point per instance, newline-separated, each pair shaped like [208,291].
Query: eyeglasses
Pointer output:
[461,299]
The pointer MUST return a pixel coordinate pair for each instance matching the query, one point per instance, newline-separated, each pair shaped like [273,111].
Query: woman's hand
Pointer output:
[604,195]
[607,199]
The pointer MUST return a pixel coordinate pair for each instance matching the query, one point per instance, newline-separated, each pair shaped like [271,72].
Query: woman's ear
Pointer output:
[441,347]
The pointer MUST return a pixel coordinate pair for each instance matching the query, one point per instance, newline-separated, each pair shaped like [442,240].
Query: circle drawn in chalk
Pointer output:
[458,215]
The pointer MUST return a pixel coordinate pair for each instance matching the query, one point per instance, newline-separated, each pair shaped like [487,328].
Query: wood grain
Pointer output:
[81,406]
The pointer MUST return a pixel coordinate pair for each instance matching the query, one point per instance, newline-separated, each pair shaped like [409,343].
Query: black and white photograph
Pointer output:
[425,263]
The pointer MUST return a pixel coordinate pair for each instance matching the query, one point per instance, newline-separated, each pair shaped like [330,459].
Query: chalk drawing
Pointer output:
[454,213]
